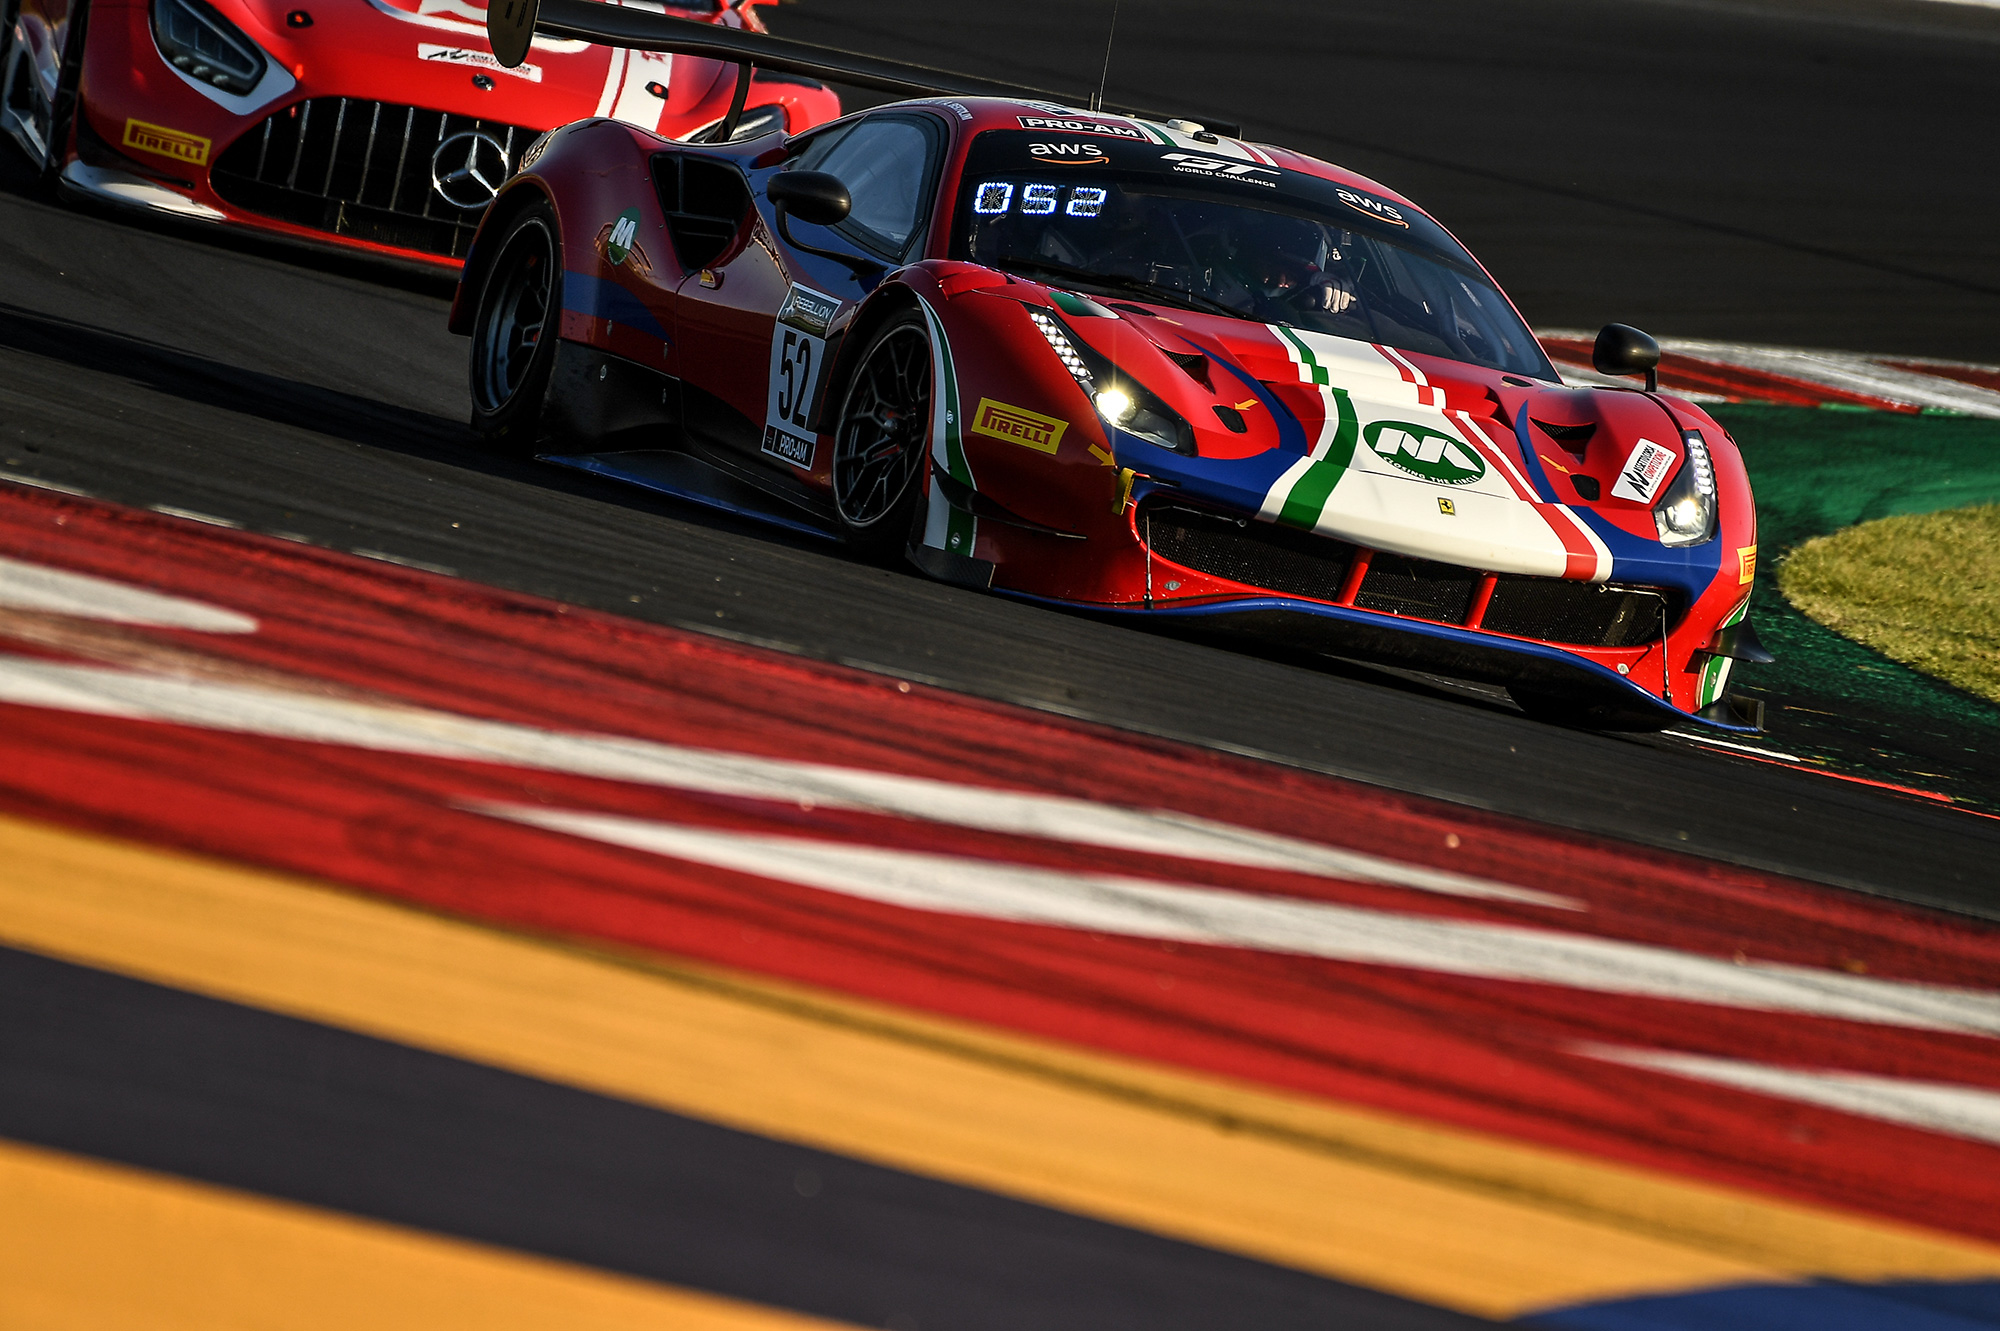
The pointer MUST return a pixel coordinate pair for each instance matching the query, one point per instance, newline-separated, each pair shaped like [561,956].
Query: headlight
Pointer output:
[1115,405]
[1120,399]
[1685,514]
[204,45]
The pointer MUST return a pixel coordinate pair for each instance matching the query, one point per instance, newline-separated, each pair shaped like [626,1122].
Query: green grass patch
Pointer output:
[1817,472]
[1920,588]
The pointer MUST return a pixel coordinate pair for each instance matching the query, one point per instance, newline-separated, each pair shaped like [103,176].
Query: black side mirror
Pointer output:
[816,197]
[1623,349]
[810,196]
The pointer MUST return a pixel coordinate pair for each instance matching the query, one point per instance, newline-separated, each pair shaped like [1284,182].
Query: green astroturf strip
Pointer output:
[1816,471]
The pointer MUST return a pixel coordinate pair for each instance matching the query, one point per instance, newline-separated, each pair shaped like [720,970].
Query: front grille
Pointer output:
[1295,563]
[362,169]
[1417,588]
[1587,614]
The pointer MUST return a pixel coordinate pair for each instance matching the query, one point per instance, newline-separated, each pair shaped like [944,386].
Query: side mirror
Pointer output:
[810,196]
[1623,349]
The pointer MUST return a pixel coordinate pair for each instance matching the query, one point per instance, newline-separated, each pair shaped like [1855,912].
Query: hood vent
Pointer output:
[1570,436]
[1194,362]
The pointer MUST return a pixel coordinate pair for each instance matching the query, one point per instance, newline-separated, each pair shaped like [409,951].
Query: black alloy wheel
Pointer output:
[882,436]
[514,332]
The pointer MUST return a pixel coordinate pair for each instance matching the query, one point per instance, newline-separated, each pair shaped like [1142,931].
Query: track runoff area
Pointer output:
[384,949]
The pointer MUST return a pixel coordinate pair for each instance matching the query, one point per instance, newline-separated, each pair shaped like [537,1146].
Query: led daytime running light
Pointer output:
[1704,470]
[1065,350]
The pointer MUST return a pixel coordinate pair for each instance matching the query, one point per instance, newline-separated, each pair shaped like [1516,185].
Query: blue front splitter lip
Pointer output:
[1481,643]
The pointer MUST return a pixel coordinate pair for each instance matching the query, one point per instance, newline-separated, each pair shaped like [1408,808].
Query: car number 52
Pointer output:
[795,366]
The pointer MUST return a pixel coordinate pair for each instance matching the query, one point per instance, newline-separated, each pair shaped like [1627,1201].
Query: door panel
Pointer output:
[754,327]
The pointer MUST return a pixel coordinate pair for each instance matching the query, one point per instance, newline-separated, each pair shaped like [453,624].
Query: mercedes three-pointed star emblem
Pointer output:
[468,169]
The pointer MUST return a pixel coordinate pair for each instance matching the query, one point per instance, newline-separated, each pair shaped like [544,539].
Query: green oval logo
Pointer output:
[1422,451]
[623,232]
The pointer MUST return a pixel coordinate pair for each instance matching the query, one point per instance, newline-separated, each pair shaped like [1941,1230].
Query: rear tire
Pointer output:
[514,332]
[881,439]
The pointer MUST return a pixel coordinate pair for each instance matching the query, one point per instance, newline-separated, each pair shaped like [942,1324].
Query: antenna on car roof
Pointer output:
[1104,76]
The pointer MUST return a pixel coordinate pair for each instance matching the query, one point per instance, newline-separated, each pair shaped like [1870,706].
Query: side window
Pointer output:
[886,165]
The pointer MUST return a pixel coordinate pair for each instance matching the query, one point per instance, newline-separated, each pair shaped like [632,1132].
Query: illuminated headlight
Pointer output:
[1115,405]
[1121,401]
[1685,514]
[202,44]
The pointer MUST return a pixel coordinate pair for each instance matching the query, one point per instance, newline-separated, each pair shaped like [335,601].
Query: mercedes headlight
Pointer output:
[202,44]
[1685,514]
[1122,401]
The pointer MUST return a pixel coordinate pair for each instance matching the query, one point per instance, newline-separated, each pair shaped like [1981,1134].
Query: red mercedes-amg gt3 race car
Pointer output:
[1124,364]
[383,125]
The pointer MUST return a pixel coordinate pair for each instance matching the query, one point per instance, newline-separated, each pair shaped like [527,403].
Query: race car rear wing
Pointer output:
[512,24]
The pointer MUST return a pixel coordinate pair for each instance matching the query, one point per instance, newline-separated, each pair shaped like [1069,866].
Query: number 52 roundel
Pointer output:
[798,346]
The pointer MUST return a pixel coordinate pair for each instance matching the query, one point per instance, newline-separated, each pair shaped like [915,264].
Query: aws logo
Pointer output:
[1076,154]
[1375,208]
[1421,451]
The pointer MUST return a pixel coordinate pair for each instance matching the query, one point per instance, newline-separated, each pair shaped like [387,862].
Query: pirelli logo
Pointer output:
[188,148]
[1746,565]
[1018,425]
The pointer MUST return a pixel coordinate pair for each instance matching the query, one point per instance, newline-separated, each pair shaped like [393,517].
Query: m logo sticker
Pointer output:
[623,232]
[1424,452]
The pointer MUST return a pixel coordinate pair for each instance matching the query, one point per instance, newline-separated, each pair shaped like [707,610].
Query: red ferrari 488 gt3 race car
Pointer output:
[1125,364]
[383,125]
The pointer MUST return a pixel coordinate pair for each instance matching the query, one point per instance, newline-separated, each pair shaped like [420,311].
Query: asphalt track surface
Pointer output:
[323,398]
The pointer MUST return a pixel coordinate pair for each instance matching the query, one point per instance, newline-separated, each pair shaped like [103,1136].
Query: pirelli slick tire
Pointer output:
[882,437]
[514,332]
[1585,711]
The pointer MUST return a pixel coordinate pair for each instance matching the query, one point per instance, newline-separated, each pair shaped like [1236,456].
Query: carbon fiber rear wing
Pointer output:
[512,24]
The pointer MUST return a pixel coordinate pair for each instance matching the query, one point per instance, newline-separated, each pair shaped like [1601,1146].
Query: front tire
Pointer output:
[881,438]
[514,332]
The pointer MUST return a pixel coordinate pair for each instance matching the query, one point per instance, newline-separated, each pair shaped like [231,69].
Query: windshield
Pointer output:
[1232,237]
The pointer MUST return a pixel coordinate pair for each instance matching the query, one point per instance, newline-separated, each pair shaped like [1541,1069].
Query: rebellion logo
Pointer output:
[1018,425]
[164,142]
[808,310]
[1375,208]
[1424,452]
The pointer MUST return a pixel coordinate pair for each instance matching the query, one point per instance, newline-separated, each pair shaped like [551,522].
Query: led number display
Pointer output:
[996,197]
[1085,201]
[993,198]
